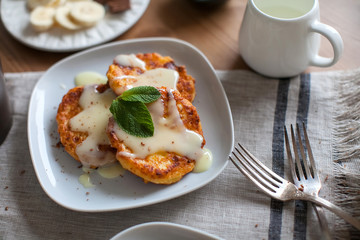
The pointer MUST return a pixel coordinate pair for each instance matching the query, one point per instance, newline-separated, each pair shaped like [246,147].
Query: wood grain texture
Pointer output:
[214,31]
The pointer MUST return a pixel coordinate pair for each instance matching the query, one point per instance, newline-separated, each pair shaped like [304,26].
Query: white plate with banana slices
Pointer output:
[62,26]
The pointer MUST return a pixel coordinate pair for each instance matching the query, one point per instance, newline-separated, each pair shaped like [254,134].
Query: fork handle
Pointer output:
[323,222]
[335,209]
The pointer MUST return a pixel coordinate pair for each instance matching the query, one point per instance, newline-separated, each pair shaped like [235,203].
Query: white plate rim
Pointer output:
[109,45]
[39,45]
[184,228]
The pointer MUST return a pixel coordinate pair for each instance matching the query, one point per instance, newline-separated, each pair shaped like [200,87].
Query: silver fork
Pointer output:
[279,188]
[309,180]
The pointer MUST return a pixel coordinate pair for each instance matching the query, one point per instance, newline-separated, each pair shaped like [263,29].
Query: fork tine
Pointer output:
[302,152]
[288,151]
[296,154]
[311,157]
[257,169]
[255,179]
[266,169]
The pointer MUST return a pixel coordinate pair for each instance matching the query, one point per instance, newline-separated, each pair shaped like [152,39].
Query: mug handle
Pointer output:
[335,39]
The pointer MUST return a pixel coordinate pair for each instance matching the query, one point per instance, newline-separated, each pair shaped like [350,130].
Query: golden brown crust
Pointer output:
[161,167]
[185,85]
[187,111]
[68,108]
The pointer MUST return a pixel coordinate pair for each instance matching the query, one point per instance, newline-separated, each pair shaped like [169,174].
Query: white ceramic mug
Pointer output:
[281,38]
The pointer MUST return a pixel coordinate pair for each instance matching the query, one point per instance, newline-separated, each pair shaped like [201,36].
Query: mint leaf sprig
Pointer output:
[130,112]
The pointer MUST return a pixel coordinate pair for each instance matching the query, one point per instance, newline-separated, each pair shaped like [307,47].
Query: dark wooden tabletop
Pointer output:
[213,30]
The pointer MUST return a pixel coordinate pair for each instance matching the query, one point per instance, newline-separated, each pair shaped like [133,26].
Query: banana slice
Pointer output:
[42,18]
[62,17]
[87,13]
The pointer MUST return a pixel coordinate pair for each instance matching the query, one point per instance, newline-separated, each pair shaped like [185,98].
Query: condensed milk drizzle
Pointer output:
[170,135]
[129,60]
[159,77]
[93,119]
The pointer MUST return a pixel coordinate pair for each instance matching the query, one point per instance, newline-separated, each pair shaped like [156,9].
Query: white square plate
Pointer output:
[58,173]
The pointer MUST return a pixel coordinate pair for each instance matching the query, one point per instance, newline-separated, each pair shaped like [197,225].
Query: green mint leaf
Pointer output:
[133,117]
[145,94]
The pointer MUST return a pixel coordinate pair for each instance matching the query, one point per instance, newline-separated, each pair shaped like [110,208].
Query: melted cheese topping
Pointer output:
[93,120]
[129,60]
[85,180]
[112,171]
[203,163]
[159,77]
[88,78]
[108,171]
[170,135]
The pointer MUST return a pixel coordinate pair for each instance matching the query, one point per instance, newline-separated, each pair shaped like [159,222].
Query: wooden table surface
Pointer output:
[214,31]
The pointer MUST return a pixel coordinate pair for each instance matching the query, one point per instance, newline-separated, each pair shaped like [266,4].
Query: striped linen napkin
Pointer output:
[328,104]
[230,207]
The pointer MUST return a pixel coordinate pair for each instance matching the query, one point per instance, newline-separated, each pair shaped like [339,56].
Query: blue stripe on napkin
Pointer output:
[300,215]
[278,155]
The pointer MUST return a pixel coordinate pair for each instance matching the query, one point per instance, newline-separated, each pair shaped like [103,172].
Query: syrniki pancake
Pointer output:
[126,71]
[82,120]
[172,152]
